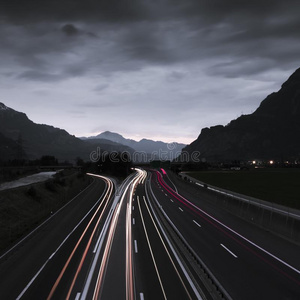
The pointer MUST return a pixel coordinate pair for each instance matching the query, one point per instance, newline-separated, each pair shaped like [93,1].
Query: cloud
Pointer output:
[154,63]
[70,30]
[175,76]
[240,67]
[55,10]
[114,36]
[40,76]
[101,87]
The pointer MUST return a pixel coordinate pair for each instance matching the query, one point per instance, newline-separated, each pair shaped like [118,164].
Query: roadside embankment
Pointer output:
[25,207]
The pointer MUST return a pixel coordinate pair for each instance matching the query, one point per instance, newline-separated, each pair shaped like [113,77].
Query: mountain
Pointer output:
[8,148]
[271,132]
[22,138]
[151,149]
[114,137]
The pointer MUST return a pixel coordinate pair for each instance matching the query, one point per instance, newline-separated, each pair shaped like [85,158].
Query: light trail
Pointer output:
[221,226]
[111,224]
[165,246]
[106,252]
[98,248]
[151,252]
[63,242]
[183,268]
[108,192]
[129,259]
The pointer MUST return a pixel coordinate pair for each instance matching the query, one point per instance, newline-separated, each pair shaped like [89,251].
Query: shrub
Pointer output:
[49,184]
[32,192]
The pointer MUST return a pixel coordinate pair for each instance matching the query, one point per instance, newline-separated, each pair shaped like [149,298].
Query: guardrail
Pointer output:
[209,281]
[277,218]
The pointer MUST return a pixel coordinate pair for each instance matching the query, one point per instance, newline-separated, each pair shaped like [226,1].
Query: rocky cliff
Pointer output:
[271,132]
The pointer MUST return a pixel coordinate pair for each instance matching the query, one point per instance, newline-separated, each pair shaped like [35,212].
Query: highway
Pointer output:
[136,262]
[151,237]
[45,263]
[158,273]
[248,262]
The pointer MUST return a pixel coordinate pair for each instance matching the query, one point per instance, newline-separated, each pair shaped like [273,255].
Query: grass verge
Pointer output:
[281,186]
[23,208]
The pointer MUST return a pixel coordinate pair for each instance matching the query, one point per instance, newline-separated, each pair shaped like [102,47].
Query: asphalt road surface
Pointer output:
[248,262]
[30,270]
[152,237]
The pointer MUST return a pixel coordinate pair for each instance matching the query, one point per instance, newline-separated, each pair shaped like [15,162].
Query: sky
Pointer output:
[159,69]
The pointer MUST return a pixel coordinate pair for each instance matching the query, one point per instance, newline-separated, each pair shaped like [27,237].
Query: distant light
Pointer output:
[271,162]
[254,162]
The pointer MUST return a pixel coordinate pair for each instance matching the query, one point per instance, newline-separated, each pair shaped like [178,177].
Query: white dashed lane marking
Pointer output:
[197,223]
[235,256]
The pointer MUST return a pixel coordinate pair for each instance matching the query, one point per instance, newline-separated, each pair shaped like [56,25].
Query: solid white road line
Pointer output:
[196,223]
[34,230]
[239,235]
[151,252]
[63,242]
[172,249]
[31,281]
[235,256]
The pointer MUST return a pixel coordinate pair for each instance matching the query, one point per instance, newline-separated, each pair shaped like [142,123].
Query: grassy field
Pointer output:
[22,209]
[280,186]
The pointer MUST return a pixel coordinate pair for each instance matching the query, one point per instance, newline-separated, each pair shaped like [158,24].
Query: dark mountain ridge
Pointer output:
[271,132]
[19,135]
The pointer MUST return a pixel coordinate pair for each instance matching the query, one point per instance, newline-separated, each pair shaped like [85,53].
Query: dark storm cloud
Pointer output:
[160,32]
[70,30]
[40,76]
[175,76]
[203,61]
[199,12]
[35,10]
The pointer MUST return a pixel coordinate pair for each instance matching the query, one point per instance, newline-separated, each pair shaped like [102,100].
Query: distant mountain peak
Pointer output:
[110,134]
[147,146]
